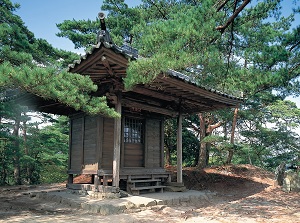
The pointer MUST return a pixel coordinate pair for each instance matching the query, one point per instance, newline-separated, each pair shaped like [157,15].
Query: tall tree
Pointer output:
[234,123]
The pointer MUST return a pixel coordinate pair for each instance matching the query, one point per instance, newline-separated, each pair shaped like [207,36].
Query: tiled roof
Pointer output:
[125,50]
[192,81]
[132,53]
[128,52]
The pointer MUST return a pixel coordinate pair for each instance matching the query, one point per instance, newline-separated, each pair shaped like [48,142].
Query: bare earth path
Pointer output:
[244,194]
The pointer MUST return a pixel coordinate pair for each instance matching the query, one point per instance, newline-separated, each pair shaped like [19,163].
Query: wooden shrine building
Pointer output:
[130,149]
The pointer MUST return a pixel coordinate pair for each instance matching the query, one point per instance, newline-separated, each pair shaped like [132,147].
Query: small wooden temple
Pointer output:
[129,151]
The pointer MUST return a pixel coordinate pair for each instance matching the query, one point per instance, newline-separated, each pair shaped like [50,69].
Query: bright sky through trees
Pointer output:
[41,17]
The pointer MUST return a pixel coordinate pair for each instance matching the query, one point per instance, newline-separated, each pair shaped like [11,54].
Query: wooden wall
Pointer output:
[90,154]
[84,152]
[92,142]
[76,143]
[108,143]
[154,143]
[134,155]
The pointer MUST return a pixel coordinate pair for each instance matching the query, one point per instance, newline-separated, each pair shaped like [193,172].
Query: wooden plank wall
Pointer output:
[153,138]
[96,133]
[134,155]
[108,143]
[76,144]
[90,158]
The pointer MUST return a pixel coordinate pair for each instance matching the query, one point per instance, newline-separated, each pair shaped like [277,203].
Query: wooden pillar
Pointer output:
[96,182]
[117,144]
[70,176]
[70,179]
[179,148]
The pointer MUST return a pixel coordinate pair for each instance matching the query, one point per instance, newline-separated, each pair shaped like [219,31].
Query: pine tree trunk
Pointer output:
[16,158]
[3,164]
[28,169]
[208,148]
[168,155]
[202,159]
[234,121]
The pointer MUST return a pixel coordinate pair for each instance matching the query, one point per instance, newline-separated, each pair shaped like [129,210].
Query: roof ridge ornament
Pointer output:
[103,35]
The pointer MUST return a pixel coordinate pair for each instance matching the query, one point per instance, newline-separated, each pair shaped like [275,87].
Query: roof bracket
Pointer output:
[107,66]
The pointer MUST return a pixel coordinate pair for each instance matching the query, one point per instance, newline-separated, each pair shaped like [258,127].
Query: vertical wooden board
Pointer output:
[70,150]
[76,144]
[153,143]
[99,151]
[134,155]
[133,150]
[179,148]
[108,143]
[117,143]
[162,144]
[90,143]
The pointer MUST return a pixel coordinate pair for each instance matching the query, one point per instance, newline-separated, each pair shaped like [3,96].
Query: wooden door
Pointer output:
[134,148]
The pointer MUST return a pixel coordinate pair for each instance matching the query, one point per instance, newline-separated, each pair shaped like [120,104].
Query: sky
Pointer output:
[41,17]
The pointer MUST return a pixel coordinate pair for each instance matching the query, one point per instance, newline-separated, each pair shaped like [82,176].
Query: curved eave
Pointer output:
[189,80]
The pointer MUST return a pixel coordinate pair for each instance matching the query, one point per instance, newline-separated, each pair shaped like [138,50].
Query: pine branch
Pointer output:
[295,45]
[210,128]
[193,126]
[222,5]
[294,68]
[234,15]
[116,5]
[230,46]
[159,10]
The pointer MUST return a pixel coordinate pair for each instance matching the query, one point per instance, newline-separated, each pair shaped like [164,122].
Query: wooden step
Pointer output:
[142,181]
[136,190]
[147,187]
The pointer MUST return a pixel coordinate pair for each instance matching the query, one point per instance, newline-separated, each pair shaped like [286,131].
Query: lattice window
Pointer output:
[133,130]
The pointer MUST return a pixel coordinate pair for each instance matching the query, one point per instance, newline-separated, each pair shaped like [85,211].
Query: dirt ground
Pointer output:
[244,193]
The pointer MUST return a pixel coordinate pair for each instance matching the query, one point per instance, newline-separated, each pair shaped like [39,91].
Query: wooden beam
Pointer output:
[87,62]
[107,65]
[116,58]
[199,91]
[155,94]
[155,109]
[195,102]
[190,97]
[179,148]
[117,144]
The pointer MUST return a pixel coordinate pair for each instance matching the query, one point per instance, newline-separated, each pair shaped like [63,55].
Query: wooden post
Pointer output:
[96,182]
[70,179]
[117,144]
[179,148]
[70,176]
